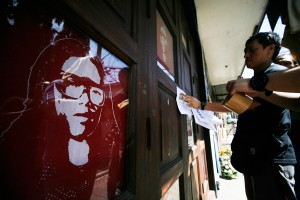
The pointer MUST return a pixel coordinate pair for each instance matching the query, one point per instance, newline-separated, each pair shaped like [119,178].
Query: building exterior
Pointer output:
[88,101]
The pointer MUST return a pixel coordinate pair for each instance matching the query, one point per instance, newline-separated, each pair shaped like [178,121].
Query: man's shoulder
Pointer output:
[274,68]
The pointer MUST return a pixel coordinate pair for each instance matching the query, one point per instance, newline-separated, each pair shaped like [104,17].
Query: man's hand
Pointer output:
[191,101]
[239,85]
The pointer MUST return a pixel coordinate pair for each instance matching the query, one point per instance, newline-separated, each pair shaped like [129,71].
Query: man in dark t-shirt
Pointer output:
[262,149]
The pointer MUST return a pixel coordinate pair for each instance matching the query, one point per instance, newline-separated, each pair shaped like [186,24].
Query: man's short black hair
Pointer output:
[266,39]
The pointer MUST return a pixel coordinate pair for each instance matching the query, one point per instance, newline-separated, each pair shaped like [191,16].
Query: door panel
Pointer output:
[173,131]
[186,75]
[204,187]
[191,84]
[169,123]
[195,182]
[116,21]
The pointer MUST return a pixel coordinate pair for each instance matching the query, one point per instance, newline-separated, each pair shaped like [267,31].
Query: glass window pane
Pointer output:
[63,110]
[165,52]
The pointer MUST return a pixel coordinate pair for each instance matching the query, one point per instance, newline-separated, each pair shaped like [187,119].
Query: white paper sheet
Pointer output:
[204,118]
[200,118]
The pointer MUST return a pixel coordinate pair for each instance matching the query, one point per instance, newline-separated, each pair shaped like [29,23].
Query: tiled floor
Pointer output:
[232,189]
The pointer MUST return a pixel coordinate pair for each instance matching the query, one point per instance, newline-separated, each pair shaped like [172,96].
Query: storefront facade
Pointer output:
[88,104]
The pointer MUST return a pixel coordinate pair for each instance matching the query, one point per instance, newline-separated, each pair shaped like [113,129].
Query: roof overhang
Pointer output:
[224,26]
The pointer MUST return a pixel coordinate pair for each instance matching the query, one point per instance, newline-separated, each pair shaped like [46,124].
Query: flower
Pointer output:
[226,168]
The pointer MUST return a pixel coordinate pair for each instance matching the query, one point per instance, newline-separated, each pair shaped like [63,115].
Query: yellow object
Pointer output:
[123,103]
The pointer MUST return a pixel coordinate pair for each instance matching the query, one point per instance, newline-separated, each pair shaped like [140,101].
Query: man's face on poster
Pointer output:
[80,98]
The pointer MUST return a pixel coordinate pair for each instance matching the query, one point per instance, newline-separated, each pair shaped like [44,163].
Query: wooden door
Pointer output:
[123,26]
[54,59]
[197,152]
[172,161]
[154,39]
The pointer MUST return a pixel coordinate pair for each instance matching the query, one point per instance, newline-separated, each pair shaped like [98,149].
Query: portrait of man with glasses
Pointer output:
[79,98]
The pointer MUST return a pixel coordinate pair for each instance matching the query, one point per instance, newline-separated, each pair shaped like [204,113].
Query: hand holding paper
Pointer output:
[182,105]
[204,118]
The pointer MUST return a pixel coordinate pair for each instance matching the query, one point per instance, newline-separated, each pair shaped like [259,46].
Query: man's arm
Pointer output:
[239,85]
[195,103]
[216,107]
[286,100]
[283,99]
[284,81]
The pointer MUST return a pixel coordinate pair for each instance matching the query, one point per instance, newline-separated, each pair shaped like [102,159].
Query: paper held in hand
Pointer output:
[238,102]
